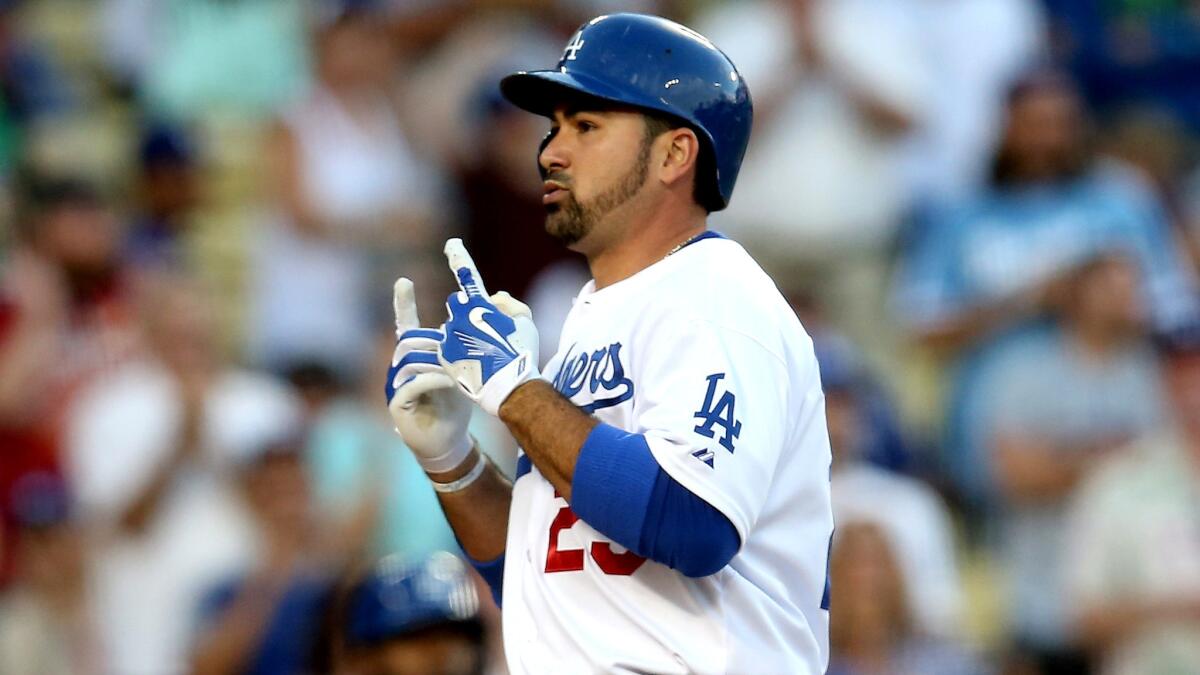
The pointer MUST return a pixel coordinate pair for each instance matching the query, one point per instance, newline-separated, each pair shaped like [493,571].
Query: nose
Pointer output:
[552,155]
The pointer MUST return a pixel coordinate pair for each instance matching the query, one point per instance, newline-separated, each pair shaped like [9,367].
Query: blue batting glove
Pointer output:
[489,345]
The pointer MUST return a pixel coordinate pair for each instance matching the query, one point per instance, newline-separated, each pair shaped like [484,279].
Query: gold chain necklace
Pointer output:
[683,244]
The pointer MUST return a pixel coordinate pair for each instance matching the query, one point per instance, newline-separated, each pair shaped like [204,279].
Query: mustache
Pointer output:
[558,177]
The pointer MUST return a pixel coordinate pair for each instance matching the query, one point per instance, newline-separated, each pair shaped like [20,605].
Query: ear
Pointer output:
[682,152]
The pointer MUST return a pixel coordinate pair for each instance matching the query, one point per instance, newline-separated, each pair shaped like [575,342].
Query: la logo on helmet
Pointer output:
[573,48]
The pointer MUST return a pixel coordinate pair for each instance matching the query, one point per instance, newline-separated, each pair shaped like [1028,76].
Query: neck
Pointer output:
[643,243]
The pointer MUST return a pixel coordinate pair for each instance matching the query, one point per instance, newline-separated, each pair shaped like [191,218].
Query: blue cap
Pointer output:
[399,597]
[41,499]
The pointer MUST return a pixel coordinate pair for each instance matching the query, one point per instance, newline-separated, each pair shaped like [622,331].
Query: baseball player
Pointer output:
[670,511]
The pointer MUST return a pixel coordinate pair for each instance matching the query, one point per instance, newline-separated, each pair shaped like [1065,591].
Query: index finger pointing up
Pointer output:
[405,305]
[464,269]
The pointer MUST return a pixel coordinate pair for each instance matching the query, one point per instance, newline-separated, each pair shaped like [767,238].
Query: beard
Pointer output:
[570,220]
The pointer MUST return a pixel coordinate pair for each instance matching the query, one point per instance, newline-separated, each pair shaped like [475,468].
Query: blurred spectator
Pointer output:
[363,476]
[979,274]
[502,196]
[908,512]
[1133,563]
[836,85]
[66,315]
[839,88]
[30,87]
[1156,144]
[191,59]
[267,619]
[355,205]
[417,616]
[45,624]
[871,630]
[975,49]
[1064,401]
[1130,51]
[32,83]
[880,439]
[167,193]
[150,449]
[1190,207]
[503,212]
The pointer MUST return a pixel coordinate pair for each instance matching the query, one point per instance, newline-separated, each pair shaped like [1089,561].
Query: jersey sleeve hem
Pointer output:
[667,456]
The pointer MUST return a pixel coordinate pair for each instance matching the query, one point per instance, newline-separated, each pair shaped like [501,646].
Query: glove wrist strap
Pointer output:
[464,482]
[497,390]
[448,461]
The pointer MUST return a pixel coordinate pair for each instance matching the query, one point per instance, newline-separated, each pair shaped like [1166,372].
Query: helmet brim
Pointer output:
[542,91]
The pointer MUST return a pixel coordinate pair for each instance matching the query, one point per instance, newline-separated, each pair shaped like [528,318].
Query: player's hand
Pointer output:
[430,413]
[489,343]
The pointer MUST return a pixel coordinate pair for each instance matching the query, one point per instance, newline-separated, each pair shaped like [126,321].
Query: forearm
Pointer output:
[146,503]
[1102,627]
[478,514]
[968,326]
[550,429]
[227,648]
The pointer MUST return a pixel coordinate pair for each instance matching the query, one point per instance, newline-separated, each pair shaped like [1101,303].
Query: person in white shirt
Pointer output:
[671,511]
[150,448]
[907,511]
[1132,537]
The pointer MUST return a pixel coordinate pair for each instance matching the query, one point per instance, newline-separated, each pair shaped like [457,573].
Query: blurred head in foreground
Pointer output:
[412,618]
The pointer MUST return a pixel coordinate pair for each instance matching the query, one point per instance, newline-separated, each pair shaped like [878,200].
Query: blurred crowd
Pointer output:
[985,212]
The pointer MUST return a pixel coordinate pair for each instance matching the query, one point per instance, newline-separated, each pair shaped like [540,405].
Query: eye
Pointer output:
[583,126]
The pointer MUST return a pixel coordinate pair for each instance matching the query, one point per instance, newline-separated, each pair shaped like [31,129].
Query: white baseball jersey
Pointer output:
[701,354]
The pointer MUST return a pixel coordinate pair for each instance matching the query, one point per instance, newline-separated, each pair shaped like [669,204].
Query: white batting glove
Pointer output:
[489,344]
[430,413]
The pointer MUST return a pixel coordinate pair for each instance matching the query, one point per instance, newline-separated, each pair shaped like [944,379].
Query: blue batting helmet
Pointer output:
[399,597]
[654,64]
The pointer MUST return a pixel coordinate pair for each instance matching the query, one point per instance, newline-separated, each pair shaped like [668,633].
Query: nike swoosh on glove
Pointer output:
[489,345]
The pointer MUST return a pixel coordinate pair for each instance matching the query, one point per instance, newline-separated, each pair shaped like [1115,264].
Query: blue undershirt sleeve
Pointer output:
[619,489]
[492,572]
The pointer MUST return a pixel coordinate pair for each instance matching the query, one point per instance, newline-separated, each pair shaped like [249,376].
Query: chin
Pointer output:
[564,225]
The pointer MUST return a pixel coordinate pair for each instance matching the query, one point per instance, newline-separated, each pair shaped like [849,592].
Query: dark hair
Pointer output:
[1002,171]
[165,145]
[40,194]
[704,189]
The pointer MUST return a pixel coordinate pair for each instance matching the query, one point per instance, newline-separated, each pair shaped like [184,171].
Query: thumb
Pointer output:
[423,384]
[511,306]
